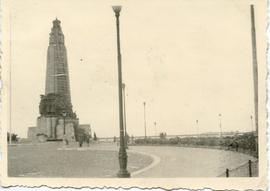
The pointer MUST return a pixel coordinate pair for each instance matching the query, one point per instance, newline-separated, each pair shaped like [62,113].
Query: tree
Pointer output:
[95,136]
[14,137]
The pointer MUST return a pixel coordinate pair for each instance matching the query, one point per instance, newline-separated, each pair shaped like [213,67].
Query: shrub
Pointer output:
[245,141]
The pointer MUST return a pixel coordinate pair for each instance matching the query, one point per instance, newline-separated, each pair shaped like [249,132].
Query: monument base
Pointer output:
[53,128]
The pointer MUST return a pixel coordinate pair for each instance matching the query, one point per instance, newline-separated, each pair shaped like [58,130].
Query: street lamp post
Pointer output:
[123,173]
[220,129]
[251,120]
[10,60]
[125,119]
[197,127]
[155,124]
[10,135]
[220,125]
[144,120]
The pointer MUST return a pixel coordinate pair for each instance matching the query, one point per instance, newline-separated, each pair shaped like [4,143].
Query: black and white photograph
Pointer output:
[122,91]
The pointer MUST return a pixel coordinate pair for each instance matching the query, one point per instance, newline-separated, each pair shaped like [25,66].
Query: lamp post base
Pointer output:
[123,173]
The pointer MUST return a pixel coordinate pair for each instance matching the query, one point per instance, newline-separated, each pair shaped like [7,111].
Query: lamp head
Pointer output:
[116,9]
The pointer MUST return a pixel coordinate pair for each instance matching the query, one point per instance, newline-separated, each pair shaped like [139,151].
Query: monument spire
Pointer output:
[57,121]
[57,75]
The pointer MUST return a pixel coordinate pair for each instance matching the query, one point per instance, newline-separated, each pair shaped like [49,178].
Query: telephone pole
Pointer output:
[255,73]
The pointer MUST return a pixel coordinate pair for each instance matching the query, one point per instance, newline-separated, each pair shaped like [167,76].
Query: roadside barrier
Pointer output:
[248,169]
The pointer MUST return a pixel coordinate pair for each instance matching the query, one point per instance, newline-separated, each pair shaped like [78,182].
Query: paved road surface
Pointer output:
[190,162]
[52,160]
[101,160]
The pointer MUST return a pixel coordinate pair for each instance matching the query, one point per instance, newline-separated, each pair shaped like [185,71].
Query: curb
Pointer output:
[156,161]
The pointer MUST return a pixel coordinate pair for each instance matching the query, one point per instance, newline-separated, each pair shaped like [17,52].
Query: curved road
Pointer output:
[54,160]
[188,162]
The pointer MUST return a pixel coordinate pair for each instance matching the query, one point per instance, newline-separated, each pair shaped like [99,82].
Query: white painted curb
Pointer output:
[156,161]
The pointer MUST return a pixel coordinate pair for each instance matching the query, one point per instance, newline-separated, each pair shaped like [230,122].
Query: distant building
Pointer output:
[57,119]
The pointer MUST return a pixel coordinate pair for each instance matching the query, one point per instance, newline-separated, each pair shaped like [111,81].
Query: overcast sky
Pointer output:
[187,59]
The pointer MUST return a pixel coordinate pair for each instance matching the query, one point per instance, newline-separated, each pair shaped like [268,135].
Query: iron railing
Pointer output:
[248,169]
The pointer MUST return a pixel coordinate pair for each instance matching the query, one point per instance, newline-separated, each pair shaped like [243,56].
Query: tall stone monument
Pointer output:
[57,120]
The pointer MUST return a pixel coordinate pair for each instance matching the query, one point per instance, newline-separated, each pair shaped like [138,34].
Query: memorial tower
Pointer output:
[57,119]
[57,75]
